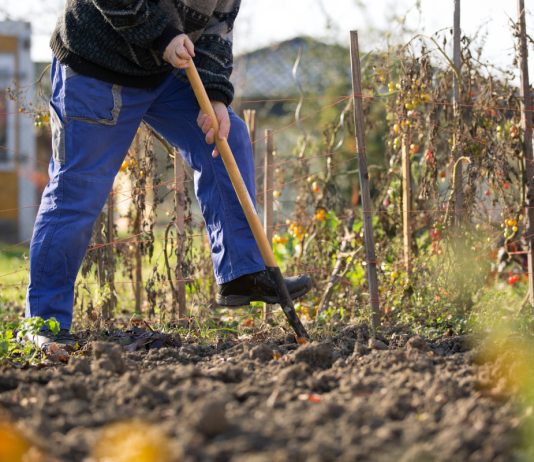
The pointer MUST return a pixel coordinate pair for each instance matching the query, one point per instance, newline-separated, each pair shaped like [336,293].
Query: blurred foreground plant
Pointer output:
[508,346]
[15,447]
[133,442]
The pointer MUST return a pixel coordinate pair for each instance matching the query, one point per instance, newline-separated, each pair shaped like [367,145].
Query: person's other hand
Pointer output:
[206,124]
[179,52]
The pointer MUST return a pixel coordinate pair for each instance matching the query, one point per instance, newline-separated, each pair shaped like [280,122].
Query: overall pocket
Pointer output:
[58,135]
[91,100]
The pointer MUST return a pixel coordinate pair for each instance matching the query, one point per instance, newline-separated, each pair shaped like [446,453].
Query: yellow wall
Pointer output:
[8,44]
[9,193]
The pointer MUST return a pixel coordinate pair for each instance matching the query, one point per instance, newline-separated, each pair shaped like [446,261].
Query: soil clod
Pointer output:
[376,344]
[316,355]
[209,418]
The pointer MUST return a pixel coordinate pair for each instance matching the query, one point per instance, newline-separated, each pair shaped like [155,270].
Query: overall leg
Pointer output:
[234,250]
[93,124]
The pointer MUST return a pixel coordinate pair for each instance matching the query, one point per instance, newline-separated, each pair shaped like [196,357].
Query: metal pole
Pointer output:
[364,180]
[526,122]
[458,172]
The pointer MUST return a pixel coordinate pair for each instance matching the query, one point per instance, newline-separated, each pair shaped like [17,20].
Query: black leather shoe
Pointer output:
[259,287]
[64,339]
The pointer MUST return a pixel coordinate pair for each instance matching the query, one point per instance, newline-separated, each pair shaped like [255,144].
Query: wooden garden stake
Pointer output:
[105,265]
[407,204]
[177,283]
[110,229]
[458,171]
[268,195]
[364,180]
[138,277]
[101,265]
[179,201]
[268,186]
[110,223]
[526,122]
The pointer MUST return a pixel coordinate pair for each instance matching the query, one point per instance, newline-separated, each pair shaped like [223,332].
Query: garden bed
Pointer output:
[344,398]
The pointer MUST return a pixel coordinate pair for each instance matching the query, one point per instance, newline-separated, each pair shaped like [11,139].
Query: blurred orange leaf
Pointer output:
[13,446]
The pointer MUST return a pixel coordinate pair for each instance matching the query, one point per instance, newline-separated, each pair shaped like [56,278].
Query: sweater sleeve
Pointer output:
[140,22]
[214,53]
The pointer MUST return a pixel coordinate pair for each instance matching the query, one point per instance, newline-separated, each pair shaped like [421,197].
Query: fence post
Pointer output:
[458,169]
[364,180]
[111,222]
[268,185]
[179,201]
[101,264]
[250,120]
[249,115]
[526,122]
[268,195]
[407,204]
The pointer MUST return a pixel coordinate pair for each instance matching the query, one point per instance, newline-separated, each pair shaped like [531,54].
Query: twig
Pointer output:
[338,273]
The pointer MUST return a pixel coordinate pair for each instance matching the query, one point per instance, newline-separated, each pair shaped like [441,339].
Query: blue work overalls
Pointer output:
[93,124]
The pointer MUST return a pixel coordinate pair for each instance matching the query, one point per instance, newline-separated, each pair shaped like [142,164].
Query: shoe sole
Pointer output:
[234,301]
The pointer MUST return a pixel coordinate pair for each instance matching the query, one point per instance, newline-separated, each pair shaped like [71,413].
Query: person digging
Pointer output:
[118,63]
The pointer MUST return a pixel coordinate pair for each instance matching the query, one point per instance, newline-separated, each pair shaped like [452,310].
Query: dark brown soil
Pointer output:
[341,399]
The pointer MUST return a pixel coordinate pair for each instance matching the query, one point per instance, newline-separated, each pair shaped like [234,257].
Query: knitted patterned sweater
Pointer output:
[122,41]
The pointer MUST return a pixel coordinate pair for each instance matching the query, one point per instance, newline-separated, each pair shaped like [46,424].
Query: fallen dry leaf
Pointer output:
[56,353]
[310,397]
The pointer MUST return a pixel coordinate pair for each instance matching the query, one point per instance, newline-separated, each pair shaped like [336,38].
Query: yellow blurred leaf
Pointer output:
[13,446]
[132,442]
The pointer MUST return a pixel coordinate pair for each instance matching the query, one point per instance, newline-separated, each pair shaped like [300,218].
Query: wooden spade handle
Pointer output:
[233,171]
[248,207]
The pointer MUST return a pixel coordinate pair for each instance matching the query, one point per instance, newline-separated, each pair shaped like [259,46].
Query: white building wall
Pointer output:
[21,130]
